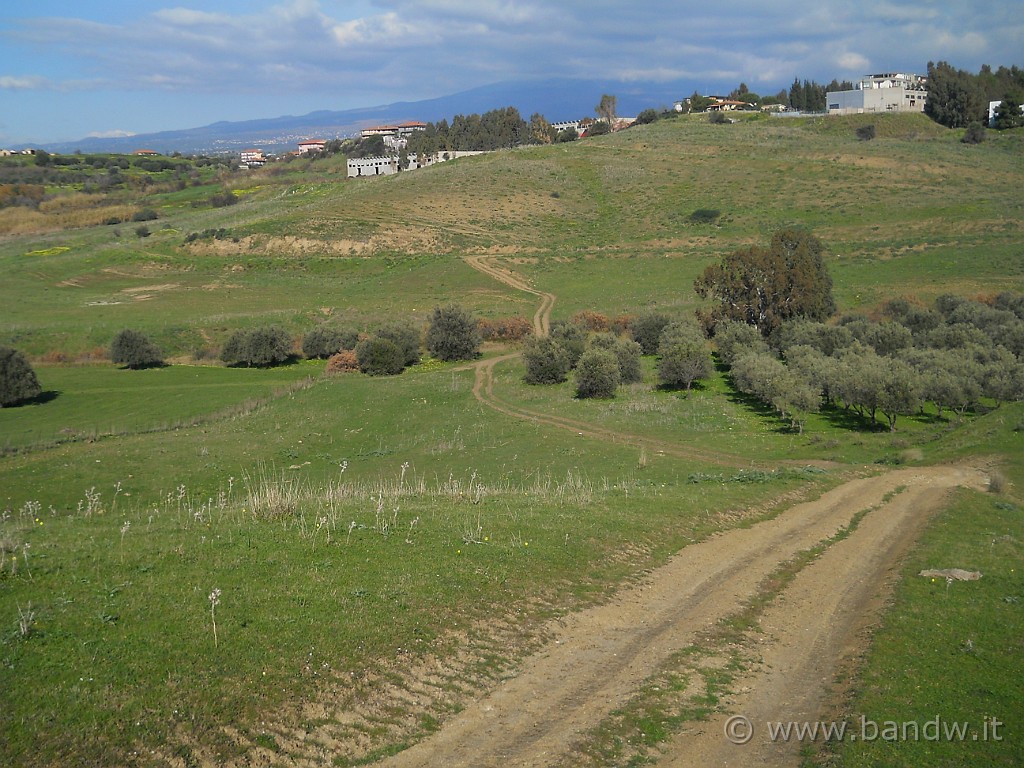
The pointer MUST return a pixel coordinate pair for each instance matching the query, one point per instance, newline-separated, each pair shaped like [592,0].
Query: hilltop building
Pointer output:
[890,92]
[359,167]
[312,145]
[396,137]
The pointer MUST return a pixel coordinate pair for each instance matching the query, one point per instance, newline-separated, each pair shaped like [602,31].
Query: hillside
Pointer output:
[294,565]
[607,220]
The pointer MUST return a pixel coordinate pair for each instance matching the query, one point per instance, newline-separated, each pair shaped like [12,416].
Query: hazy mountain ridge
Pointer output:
[557,99]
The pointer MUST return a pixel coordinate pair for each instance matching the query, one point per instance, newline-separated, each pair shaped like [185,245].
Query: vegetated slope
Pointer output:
[604,222]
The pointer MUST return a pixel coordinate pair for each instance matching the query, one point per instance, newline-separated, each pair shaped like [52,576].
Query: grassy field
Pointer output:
[947,650]
[385,547]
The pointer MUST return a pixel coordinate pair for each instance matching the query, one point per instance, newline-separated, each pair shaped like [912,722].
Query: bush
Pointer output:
[223,199]
[134,350]
[379,357]
[975,134]
[142,231]
[343,362]
[866,132]
[591,321]
[572,338]
[453,334]
[646,330]
[18,381]
[406,337]
[262,347]
[322,342]
[547,361]
[597,374]
[505,329]
[682,362]
[627,352]
[146,214]
[705,216]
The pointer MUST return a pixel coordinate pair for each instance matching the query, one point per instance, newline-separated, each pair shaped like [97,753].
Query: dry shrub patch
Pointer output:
[343,362]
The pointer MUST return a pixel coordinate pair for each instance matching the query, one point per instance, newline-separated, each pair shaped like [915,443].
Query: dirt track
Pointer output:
[599,658]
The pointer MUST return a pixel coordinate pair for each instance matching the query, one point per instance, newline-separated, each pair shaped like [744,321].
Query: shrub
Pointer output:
[343,362]
[142,231]
[646,330]
[405,336]
[547,361]
[591,321]
[146,214]
[223,199]
[134,350]
[705,216]
[505,329]
[379,357]
[262,347]
[572,338]
[682,362]
[627,352]
[322,342]
[975,134]
[453,334]
[866,132]
[597,374]
[18,381]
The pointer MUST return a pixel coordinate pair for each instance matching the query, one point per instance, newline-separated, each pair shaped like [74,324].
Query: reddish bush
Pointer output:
[590,320]
[343,362]
[505,329]
[621,324]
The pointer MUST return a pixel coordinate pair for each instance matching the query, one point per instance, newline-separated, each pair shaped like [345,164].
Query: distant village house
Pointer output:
[312,145]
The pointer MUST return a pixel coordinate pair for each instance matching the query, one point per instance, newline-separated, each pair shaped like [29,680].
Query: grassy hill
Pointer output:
[605,223]
[385,548]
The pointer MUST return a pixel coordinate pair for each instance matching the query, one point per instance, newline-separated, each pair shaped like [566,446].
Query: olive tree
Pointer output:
[453,334]
[135,350]
[18,381]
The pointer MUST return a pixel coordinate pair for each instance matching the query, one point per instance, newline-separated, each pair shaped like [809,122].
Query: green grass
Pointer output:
[123,555]
[907,212]
[470,527]
[86,402]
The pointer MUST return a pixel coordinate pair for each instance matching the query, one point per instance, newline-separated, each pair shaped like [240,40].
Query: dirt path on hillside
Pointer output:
[483,387]
[542,317]
[598,658]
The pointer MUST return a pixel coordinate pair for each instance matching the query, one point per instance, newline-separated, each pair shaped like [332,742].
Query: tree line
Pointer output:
[957,99]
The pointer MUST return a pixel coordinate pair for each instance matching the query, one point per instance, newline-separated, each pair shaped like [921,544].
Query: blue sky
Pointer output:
[70,69]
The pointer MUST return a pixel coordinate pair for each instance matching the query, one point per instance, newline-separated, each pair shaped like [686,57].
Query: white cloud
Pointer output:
[853,62]
[115,134]
[25,82]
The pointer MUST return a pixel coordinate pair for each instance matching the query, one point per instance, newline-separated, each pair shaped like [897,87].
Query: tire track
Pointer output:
[599,658]
[542,317]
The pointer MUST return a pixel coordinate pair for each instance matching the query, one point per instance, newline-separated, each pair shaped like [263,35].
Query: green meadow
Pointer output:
[201,564]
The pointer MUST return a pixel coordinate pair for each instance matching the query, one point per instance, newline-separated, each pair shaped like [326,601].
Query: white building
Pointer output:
[253,158]
[890,92]
[312,145]
[387,166]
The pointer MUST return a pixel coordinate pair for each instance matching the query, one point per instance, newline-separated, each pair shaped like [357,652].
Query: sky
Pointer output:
[76,68]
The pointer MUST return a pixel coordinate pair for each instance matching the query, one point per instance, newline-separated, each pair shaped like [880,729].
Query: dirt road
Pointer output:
[598,658]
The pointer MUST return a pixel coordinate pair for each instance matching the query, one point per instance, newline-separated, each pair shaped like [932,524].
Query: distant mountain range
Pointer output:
[556,99]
